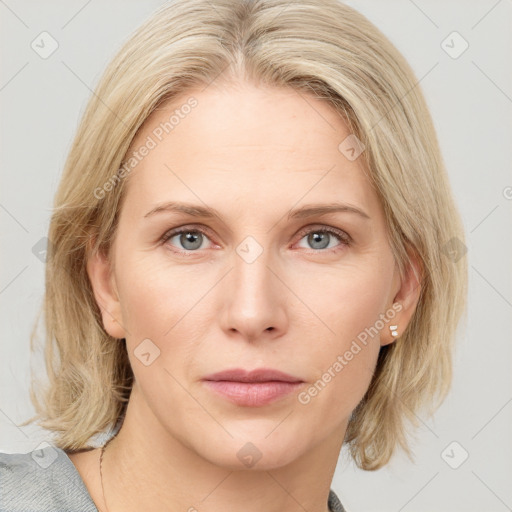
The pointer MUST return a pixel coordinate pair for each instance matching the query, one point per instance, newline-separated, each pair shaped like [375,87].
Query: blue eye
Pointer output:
[190,239]
[320,238]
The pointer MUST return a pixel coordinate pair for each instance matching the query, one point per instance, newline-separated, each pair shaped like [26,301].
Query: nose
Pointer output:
[254,299]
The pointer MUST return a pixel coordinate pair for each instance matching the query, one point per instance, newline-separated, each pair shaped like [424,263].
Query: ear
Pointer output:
[103,283]
[406,298]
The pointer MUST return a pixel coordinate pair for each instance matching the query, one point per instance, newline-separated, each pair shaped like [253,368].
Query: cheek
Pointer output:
[349,304]
[347,300]
[160,303]
[154,296]
[343,369]
[170,306]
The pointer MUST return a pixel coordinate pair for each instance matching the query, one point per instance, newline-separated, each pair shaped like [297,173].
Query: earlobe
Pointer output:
[393,329]
[407,297]
[105,293]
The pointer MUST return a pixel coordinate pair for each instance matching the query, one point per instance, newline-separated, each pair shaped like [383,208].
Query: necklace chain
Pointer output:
[101,474]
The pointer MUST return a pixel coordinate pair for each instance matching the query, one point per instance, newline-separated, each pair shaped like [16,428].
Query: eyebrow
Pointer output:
[207,212]
[324,209]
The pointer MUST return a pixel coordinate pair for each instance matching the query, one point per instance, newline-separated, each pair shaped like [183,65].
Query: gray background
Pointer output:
[470,98]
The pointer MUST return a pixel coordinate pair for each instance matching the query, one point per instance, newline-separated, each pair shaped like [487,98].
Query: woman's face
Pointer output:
[264,279]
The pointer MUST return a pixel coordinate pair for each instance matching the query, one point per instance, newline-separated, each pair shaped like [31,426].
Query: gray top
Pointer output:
[46,480]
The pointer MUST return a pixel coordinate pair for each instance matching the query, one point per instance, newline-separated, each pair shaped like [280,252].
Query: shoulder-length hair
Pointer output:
[320,47]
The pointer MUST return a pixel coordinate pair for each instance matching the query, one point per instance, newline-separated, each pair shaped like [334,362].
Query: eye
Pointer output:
[189,239]
[320,238]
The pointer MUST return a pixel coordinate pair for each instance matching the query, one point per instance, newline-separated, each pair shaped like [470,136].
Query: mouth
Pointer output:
[252,388]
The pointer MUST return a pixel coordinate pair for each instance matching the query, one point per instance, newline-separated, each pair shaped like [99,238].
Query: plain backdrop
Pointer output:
[470,96]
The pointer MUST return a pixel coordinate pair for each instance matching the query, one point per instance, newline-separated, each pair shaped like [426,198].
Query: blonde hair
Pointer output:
[320,47]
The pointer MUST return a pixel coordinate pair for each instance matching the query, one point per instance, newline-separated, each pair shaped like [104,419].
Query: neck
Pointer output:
[144,467]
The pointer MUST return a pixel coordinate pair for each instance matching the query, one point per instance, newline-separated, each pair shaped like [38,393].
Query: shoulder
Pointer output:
[334,503]
[43,480]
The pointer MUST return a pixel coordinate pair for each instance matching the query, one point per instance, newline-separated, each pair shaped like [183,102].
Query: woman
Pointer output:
[248,267]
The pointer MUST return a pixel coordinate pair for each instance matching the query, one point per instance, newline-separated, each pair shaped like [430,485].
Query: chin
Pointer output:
[253,452]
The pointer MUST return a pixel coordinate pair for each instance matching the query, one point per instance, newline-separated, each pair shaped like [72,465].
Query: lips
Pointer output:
[252,388]
[257,375]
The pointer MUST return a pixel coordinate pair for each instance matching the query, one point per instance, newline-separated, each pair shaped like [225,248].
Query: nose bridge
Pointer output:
[255,303]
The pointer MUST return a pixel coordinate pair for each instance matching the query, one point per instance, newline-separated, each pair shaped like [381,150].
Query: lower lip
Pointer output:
[252,394]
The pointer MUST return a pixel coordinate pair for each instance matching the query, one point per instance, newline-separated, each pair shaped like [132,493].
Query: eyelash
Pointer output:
[342,236]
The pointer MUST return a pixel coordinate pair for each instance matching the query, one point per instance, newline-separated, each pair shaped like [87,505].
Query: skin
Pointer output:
[253,153]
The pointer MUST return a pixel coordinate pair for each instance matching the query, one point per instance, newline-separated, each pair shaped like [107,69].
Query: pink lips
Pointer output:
[254,388]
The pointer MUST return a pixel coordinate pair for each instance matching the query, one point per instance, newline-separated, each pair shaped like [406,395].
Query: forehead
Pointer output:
[246,143]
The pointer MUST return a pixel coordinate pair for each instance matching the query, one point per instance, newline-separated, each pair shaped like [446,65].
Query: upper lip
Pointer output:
[257,375]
